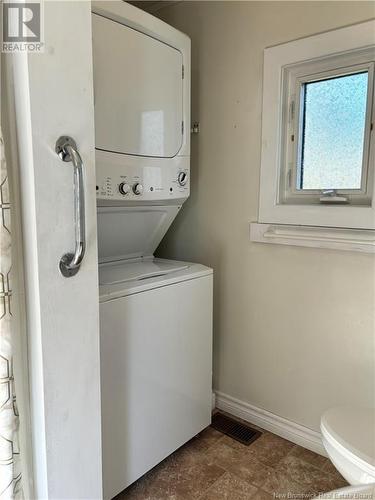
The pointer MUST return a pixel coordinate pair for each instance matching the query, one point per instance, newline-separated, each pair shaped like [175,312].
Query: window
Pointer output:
[332,132]
[318,145]
[327,123]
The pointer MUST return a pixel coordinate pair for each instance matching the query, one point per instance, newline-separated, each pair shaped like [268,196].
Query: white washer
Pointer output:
[156,350]
[155,345]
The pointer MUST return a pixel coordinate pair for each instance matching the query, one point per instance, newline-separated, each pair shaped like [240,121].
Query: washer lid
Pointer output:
[122,272]
[354,429]
[145,274]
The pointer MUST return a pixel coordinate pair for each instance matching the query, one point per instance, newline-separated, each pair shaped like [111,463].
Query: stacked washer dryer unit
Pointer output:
[155,314]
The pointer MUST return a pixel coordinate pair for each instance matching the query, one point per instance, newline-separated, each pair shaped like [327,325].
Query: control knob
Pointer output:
[124,188]
[182,178]
[137,188]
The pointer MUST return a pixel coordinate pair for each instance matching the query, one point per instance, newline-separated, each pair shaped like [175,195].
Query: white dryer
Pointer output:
[155,314]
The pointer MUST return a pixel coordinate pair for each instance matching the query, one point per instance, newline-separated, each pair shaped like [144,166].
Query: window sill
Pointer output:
[354,240]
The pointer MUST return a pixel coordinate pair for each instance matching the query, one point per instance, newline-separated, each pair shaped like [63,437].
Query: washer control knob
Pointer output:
[124,188]
[137,188]
[182,178]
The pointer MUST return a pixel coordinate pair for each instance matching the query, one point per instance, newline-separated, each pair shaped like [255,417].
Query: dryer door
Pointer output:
[138,91]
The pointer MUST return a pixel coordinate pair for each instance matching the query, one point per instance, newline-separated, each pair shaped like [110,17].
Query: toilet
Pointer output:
[348,435]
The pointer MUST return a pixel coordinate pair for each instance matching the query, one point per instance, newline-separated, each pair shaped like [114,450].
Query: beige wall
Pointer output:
[294,327]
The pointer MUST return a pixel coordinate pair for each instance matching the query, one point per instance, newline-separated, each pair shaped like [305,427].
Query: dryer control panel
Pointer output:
[120,178]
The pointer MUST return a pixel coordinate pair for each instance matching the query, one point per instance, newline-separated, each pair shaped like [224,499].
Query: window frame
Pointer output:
[347,43]
[294,79]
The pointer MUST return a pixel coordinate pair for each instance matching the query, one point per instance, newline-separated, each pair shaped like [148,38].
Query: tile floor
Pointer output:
[212,467]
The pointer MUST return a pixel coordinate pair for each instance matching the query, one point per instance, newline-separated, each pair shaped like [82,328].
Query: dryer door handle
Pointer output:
[70,263]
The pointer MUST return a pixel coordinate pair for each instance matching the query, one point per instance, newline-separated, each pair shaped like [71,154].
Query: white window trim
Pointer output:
[354,240]
[276,58]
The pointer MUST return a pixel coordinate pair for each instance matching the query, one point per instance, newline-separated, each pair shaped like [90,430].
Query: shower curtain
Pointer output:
[10,465]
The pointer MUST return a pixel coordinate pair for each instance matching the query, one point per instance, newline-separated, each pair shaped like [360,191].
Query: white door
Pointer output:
[54,96]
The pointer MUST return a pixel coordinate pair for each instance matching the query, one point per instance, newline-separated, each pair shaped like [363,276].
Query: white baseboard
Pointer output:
[298,434]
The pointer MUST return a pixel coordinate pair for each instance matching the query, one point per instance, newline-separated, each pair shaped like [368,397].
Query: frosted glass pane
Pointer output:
[333,133]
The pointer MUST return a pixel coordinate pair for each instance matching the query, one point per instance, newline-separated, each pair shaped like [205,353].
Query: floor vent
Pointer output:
[236,430]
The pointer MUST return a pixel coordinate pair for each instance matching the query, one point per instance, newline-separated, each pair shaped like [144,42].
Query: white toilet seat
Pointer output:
[349,438]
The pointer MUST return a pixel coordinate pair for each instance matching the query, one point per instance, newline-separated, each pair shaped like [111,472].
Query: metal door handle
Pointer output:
[70,263]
